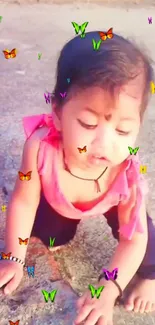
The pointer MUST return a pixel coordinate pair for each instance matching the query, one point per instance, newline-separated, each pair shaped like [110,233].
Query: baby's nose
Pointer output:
[103,137]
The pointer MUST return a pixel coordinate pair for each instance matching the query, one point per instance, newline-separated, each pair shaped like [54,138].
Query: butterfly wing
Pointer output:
[130,150]
[13,53]
[92,290]
[76,26]
[106,274]
[110,33]
[20,240]
[52,295]
[26,241]
[135,150]
[28,270]
[8,255]
[6,54]
[3,255]
[115,273]
[46,98]
[103,36]
[32,270]
[98,292]
[94,44]
[83,27]
[152,87]
[80,150]
[98,44]
[84,149]
[16,323]
[21,176]
[28,176]
[45,294]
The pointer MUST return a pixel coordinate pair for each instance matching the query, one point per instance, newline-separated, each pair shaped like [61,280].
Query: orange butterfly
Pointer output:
[5,256]
[10,54]
[23,241]
[104,36]
[16,323]
[24,177]
[84,149]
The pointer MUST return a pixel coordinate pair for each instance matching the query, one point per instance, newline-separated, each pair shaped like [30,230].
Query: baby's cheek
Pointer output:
[120,154]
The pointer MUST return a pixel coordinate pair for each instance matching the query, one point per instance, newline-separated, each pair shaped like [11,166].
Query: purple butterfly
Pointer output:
[63,94]
[150,20]
[48,97]
[110,275]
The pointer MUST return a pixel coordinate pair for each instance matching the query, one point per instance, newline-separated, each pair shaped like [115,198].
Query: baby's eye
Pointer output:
[122,132]
[87,126]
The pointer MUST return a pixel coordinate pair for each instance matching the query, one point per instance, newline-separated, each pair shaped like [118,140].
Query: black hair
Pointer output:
[113,65]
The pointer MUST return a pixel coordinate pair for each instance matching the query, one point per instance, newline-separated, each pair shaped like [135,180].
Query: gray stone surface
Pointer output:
[45,28]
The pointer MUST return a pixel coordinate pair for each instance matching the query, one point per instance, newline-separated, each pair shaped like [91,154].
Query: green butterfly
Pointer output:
[80,28]
[48,295]
[133,151]
[96,45]
[96,292]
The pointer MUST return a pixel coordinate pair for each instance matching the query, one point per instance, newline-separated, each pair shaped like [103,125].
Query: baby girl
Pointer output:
[81,167]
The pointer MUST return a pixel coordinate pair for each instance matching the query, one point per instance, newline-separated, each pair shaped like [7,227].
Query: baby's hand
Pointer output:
[95,311]
[11,274]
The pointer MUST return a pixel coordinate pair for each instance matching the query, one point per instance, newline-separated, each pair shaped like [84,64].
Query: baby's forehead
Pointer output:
[123,101]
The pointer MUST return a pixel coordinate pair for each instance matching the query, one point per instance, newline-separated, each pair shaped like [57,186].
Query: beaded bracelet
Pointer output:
[15,259]
[116,283]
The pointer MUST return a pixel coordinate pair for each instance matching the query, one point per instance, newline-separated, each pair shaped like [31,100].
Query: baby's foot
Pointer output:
[142,297]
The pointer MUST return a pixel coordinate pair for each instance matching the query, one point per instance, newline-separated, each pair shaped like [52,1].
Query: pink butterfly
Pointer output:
[110,275]
[63,95]
[47,97]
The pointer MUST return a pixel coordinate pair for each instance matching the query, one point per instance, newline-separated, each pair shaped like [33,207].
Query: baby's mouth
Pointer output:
[98,160]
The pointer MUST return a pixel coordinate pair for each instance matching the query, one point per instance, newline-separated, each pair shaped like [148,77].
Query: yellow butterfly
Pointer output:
[10,54]
[84,149]
[24,177]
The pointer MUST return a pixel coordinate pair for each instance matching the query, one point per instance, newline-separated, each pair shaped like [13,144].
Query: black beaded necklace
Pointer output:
[97,185]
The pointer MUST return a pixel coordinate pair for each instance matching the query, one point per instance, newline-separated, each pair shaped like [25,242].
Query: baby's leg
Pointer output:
[142,297]
[48,223]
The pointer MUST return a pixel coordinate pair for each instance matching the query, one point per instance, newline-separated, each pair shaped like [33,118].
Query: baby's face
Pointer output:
[106,129]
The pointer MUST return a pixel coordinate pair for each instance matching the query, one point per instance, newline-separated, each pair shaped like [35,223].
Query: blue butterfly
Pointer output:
[30,271]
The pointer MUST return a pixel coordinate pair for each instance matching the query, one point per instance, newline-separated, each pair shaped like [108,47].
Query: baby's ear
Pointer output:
[56,117]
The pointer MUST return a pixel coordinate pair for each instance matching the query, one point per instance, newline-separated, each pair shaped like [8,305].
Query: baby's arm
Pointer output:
[24,202]
[129,253]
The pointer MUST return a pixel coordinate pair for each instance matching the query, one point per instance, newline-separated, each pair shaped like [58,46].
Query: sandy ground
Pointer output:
[76,3]
[45,28]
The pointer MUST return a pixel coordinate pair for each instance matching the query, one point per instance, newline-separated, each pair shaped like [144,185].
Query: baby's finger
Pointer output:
[12,285]
[4,278]
[93,317]
[102,321]
[84,312]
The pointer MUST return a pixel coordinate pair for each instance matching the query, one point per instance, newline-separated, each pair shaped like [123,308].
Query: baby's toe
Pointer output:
[137,304]
[148,307]
[129,305]
[142,306]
